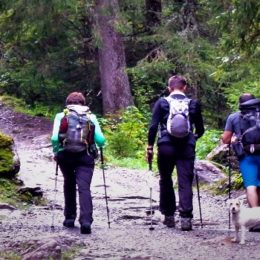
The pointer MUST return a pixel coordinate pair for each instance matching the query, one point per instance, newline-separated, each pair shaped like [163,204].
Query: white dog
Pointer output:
[242,218]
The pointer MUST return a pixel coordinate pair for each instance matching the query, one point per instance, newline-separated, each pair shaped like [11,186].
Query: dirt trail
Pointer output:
[28,232]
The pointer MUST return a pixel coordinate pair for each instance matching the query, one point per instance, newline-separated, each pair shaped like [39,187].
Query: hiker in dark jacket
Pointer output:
[175,151]
[77,167]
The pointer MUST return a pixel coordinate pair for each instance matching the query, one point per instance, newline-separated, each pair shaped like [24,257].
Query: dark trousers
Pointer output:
[77,170]
[169,157]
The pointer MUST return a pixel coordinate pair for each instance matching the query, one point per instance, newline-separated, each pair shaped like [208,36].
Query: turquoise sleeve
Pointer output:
[55,133]
[98,137]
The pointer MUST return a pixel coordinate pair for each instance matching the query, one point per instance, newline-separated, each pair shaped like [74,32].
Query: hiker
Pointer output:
[176,147]
[246,144]
[75,154]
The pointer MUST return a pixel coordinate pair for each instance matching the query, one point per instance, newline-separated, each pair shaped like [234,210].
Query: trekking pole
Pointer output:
[104,179]
[229,182]
[55,195]
[151,194]
[198,192]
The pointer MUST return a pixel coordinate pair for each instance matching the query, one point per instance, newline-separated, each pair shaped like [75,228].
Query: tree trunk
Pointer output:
[153,13]
[115,86]
[188,13]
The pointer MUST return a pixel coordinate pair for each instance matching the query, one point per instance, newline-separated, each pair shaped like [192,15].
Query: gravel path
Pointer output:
[28,233]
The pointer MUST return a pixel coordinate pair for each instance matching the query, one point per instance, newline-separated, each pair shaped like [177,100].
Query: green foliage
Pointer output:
[47,50]
[6,160]
[222,187]
[128,162]
[237,22]
[5,141]
[237,75]
[149,79]
[207,143]
[237,181]
[38,109]
[126,133]
[179,50]
[240,25]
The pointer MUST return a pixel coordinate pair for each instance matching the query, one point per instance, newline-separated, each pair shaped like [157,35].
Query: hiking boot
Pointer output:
[186,224]
[69,223]
[169,221]
[85,229]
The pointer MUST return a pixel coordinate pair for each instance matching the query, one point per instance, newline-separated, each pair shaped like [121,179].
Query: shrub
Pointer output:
[207,143]
[126,133]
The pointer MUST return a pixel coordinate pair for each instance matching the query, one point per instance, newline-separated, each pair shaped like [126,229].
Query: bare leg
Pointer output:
[258,195]
[252,196]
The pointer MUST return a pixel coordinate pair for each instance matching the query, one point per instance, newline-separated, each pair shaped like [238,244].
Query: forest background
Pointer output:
[120,54]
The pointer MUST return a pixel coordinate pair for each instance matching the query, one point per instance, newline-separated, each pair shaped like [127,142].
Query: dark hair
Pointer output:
[75,98]
[177,82]
[245,97]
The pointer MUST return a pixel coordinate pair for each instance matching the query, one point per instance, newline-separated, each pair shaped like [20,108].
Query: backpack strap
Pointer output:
[239,137]
[66,111]
[169,99]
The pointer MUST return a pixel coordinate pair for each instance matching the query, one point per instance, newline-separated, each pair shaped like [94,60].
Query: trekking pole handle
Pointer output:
[57,167]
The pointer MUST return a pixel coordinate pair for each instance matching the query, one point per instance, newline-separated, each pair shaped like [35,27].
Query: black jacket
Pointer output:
[159,120]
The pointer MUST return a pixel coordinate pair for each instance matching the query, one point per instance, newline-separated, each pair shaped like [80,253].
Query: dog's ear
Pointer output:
[240,202]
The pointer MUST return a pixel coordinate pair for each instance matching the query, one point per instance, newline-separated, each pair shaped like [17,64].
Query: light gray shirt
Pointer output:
[233,124]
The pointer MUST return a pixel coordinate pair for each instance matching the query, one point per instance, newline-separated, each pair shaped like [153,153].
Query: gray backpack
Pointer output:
[178,123]
[76,132]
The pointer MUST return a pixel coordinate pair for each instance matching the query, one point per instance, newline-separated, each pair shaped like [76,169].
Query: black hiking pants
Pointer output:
[77,170]
[183,158]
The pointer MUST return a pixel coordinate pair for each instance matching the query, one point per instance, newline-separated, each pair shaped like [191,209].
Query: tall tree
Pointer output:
[153,12]
[114,80]
[46,50]
[240,24]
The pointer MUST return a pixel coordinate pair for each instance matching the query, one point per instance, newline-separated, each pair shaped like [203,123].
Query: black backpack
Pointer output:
[76,132]
[250,125]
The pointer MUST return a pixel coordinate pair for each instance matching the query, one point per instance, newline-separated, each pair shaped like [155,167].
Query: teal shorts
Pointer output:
[250,170]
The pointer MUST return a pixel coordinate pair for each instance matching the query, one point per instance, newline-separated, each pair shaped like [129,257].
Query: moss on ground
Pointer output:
[9,255]
[6,154]
[221,187]
[9,194]
[8,191]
